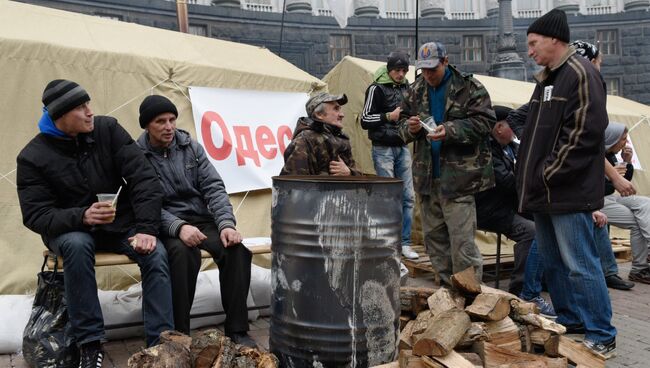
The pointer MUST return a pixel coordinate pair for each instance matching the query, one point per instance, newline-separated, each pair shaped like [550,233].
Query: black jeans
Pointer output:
[234,277]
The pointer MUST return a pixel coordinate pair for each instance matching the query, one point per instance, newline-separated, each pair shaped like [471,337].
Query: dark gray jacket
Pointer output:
[191,185]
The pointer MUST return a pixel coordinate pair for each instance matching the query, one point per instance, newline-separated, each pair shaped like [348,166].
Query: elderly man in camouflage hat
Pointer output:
[319,146]
[448,116]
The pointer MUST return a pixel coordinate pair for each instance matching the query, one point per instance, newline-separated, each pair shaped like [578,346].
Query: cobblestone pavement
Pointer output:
[631,318]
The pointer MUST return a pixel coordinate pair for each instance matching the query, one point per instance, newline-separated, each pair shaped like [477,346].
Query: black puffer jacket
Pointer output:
[382,97]
[59,178]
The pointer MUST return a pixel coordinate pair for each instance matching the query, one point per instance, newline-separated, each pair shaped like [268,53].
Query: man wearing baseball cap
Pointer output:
[75,156]
[451,159]
[319,146]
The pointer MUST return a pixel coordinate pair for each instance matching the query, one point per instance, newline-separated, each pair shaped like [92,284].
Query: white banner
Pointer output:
[245,133]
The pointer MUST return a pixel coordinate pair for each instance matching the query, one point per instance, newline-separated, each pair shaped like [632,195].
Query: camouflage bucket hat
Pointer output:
[430,54]
[313,102]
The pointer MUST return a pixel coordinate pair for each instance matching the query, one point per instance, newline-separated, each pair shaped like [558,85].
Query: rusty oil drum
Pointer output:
[335,270]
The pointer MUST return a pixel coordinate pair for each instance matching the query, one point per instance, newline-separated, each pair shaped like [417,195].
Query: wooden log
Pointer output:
[422,322]
[408,360]
[403,320]
[262,359]
[227,354]
[442,335]
[166,355]
[539,336]
[443,300]
[491,290]
[430,363]
[475,332]
[387,365]
[453,360]
[243,361]
[552,346]
[473,358]
[414,299]
[205,347]
[543,323]
[466,282]
[504,333]
[499,357]
[489,307]
[579,354]
[405,336]
[520,308]
[175,336]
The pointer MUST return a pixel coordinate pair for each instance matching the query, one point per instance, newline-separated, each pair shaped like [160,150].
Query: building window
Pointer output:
[340,45]
[528,9]
[607,41]
[109,16]
[258,5]
[198,30]
[462,9]
[396,9]
[613,86]
[597,7]
[406,44]
[472,49]
[322,8]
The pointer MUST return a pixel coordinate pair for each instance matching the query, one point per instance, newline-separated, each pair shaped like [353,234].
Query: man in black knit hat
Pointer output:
[560,179]
[59,173]
[196,215]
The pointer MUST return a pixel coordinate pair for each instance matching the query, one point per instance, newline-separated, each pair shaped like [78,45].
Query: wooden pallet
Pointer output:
[422,266]
[622,250]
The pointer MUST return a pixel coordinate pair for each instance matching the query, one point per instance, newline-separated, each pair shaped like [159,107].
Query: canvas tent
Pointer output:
[119,64]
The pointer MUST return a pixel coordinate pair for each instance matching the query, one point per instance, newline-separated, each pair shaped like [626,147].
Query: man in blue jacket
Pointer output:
[196,215]
[75,156]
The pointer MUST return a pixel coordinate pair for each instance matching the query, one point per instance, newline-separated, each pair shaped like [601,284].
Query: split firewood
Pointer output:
[542,322]
[504,333]
[430,363]
[422,322]
[442,335]
[205,347]
[403,320]
[175,336]
[243,361]
[414,299]
[473,358]
[262,359]
[520,308]
[552,346]
[466,282]
[489,307]
[166,355]
[499,357]
[388,365]
[405,336]
[475,332]
[539,336]
[227,354]
[444,299]
[452,360]
[408,360]
[579,354]
[491,290]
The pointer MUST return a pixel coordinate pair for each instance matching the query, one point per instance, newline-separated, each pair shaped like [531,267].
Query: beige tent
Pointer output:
[118,63]
[353,75]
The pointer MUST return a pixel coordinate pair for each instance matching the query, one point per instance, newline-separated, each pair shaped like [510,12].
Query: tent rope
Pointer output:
[150,89]
[240,203]
[644,118]
[6,177]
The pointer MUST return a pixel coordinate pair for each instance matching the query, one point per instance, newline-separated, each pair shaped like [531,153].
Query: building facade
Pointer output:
[312,40]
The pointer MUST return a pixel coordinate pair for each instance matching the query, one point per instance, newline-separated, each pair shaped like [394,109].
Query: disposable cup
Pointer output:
[108,197]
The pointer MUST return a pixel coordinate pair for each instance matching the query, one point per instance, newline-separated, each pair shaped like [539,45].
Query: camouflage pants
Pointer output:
[448,226]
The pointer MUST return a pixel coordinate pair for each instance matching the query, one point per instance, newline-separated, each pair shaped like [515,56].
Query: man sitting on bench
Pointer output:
[59,173]
[197,214]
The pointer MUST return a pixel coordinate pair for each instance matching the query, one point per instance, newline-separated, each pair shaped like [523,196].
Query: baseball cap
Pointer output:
[318,99]
[430,54]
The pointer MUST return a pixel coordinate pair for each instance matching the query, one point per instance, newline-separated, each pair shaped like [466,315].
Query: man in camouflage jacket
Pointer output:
[450,163]
[319,146]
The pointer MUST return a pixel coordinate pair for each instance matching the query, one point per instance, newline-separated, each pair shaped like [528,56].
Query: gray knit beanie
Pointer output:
[613,134]
[61,96]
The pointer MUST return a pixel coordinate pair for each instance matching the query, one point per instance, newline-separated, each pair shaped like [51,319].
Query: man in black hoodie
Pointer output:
[75,157]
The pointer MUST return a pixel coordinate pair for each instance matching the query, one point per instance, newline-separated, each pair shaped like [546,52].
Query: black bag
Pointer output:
[47,339]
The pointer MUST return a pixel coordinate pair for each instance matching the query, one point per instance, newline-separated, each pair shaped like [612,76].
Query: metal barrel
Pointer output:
[335,270]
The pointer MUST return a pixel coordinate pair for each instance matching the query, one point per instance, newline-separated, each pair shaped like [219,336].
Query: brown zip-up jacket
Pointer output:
[560,167]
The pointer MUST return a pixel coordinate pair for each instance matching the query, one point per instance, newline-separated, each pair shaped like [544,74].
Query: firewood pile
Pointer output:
[207,349]
[473,325]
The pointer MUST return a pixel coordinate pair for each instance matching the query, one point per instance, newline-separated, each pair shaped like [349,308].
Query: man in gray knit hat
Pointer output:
[59,173]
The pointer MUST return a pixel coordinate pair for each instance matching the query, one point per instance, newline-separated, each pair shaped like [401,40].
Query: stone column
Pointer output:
[571,7]
[432,8]
[297,6]
[227,3]
[507,63]
[634,5]
[492,8]
[366,8]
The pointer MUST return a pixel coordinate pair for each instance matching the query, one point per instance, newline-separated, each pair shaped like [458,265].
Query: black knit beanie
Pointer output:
[397,60]
[153,106]
[501,112]
[552,24]
[61,96]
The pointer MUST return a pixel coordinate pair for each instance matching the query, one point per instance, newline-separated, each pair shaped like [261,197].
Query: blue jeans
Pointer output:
[575,278]
[604,246]
[532,287]
[78,251]
[395,162]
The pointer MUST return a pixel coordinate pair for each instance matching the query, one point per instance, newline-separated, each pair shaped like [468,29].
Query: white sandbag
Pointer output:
[14,313]
[261,289]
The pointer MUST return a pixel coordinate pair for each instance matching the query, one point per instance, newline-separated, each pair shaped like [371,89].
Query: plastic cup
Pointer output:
[108,197]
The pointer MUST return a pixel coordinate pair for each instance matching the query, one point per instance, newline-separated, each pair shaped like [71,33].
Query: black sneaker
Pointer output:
[92,355]
[615,282]
[607,350]
[242,338]
[642,276]
[575,332]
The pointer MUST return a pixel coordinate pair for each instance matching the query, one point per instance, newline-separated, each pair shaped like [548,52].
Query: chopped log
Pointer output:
[243,361]
[552,346]
[444,299]
[475,332]
[387,365]
[430,363]
[539,336]
[489,307]
[175,336]
[166,355]
[520,308]
[408,360]
[205,347]
[262,359]
[422,322]
[473,358]
[499,357]
[579,354]
[504,333]
[453,360]
[414,299]
[227,354]
[524,336]
[405,336]
[543,323]
[403,320]
[466,282]
[491,290]
[443,333]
